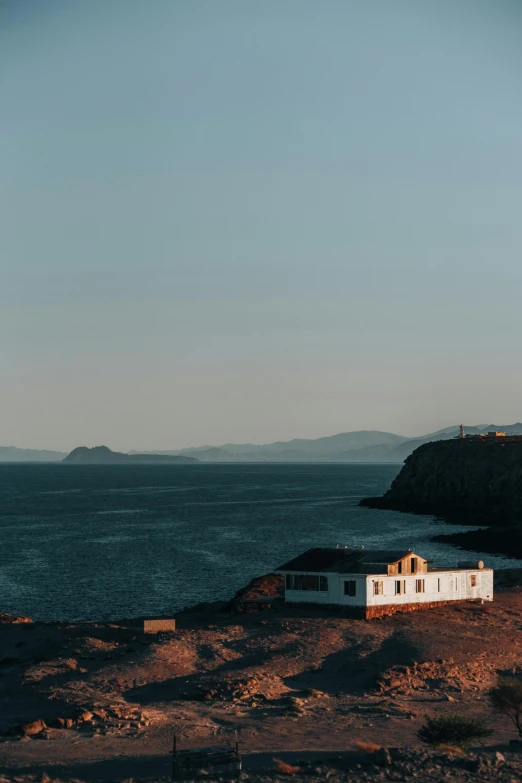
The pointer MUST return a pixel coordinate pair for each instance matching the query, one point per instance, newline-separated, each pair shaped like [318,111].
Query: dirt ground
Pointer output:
[101,701]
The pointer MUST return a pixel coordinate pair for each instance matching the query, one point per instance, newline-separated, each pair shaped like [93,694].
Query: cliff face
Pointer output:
[463,480]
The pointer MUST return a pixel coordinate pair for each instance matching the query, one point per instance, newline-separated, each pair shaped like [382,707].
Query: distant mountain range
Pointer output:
[12,454]
[360,446]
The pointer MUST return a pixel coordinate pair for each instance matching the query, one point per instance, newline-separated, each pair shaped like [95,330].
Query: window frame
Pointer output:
[296,582]
[350,588]
[420,586]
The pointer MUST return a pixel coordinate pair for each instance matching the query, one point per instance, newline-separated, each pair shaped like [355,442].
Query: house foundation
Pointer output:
[374,612]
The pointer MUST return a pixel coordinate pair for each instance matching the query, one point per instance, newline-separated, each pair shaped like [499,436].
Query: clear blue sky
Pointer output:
[240,220]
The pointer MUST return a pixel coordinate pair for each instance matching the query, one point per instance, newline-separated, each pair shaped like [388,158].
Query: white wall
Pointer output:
[454,586]
[360,590]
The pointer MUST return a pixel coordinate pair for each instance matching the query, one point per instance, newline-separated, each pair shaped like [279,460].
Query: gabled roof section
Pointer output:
[345,561]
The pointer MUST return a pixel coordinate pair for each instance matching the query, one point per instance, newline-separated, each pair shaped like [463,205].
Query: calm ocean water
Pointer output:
[103,542]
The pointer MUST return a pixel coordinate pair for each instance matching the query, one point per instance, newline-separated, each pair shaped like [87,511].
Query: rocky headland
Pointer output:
[468,481]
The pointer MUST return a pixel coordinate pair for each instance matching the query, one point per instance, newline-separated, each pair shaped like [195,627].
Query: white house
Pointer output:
[374,582]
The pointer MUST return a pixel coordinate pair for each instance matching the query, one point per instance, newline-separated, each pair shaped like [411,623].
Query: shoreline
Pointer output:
[494,538]
[269,586]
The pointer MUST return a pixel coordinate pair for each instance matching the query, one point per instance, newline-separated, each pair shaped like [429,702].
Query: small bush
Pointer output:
[507,699]
[454,730]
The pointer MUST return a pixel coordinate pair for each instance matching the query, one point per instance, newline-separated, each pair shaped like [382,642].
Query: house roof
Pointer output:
[345,561]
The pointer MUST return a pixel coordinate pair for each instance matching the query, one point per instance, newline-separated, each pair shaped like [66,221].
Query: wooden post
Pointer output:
[174,752]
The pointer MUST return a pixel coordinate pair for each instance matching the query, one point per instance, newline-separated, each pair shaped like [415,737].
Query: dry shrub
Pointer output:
[450,749]
[366,747]
[285,769]
[507,699]
[456,730]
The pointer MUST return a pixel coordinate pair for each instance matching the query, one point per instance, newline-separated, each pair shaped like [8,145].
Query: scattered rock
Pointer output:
[13,618]
[32,728]
[84,716]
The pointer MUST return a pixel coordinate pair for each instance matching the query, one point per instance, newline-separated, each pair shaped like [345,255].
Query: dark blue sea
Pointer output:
[111,541]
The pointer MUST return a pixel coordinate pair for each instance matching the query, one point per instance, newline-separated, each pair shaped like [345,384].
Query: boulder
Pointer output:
[34,727]
[84,716]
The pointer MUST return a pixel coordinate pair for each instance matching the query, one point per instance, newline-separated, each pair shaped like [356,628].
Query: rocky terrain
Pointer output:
[379,764]
[299,685]
[469,481]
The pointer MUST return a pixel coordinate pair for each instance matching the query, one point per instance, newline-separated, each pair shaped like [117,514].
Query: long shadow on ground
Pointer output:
[347,672]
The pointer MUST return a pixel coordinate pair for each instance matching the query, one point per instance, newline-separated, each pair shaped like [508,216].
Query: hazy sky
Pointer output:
[250,220]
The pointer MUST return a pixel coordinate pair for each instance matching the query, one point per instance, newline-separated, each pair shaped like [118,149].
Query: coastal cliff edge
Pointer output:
[467,481]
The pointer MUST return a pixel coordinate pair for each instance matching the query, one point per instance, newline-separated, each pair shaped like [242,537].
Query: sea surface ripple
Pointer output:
[100,542]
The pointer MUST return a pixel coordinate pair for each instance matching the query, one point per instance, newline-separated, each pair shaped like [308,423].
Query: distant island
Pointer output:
[102,454]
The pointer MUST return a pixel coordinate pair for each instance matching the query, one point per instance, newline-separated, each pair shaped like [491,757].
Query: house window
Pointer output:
[400,587]
[350,588]
[438,585]
[473,580]
[377,588]
[419,585]
[307,582]
[413,564]
[399,567]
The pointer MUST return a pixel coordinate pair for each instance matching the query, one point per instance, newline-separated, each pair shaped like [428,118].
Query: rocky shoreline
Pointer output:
[466,482]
